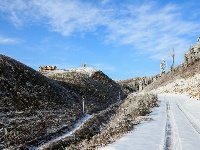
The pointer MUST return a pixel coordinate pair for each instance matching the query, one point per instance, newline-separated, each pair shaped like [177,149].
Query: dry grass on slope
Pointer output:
[109,125]
[33,108]
[183,80]
[98,89]
[180,72]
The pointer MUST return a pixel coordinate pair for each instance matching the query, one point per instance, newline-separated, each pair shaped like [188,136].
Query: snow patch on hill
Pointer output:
[76,126]
[189,86]
[83,70]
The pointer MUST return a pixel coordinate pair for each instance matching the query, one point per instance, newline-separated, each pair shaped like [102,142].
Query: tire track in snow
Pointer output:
[172,139]
[168,130]
[193,121]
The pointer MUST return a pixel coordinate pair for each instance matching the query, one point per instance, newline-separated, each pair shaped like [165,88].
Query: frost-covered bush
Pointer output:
[98,89]
[109,125]
[33,107]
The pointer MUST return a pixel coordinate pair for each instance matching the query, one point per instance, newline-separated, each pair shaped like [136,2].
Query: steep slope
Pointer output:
[23,87]
[33,107]
[181,80]
[108,125]
[176,121]
[97,89]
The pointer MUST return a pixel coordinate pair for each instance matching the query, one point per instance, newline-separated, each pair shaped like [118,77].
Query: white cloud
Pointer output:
[17,11]
[153,30]
[105,1]
[64,16]
[5,40]
[69,17]
[149,27]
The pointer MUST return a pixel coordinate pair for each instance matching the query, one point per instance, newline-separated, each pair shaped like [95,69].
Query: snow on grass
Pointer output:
[190,86]
[53,72]
[147,135]
[83,70]
[76,127]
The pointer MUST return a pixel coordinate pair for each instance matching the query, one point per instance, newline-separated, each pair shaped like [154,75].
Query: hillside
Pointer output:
[175,124]
[137,84]
[33,107]
[97,89]
[106,126]
[178,80]
[43,110]
[183,79]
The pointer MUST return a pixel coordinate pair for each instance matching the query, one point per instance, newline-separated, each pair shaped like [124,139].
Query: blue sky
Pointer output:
[123,38]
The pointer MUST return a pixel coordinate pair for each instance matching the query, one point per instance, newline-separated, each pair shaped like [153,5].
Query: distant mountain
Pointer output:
[137,84]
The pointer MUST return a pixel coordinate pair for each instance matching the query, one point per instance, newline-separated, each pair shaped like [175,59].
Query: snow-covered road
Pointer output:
[175,125]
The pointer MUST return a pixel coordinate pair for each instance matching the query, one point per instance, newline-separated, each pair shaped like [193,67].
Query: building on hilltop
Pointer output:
[47,68]
[193,54]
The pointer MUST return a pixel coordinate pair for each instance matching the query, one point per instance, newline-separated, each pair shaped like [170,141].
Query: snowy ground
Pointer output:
[83,70]
[76,126]
[175,125]
[190,86]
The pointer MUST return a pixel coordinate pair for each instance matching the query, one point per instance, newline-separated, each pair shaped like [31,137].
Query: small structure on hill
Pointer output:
[84,64]
[193,54]
[162,67]
[47,68]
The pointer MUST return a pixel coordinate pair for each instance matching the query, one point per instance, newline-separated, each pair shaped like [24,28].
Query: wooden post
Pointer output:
[83,98]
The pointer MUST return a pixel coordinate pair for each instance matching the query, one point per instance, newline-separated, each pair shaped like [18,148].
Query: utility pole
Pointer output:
[172,55]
